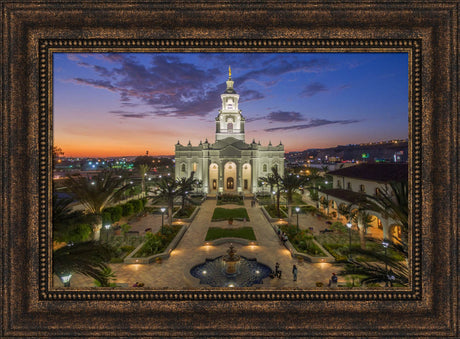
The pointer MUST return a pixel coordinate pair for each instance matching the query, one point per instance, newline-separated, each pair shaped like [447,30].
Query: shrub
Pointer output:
[137,205]
[106,218]
[116,212]
[128,209]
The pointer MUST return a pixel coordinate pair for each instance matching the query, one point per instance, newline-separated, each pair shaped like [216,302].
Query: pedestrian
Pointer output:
[277,268]
[294,272]
[333,281]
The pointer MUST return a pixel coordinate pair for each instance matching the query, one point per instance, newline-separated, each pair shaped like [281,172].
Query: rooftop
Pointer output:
[381,172]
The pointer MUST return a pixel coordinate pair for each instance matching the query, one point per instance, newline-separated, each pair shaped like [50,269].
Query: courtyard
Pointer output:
[174,272]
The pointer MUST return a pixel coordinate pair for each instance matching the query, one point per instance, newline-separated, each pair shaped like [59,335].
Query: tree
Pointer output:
[89,258]
[391,202]
[167,189]
[345,210]
[97,193]
[290,183]
[271,180]
[184,186]
[68,225]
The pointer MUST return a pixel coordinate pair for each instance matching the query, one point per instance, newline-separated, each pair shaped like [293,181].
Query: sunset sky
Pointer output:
[122,104]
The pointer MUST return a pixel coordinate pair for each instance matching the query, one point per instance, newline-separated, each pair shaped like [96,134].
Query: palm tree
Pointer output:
[363,219]
[271,180]
[89,258]
[185,185]
[68,225]
[344,210]
[143,169]
[391,202]
[97,193]
[374,271]
[167,189]
[290,183]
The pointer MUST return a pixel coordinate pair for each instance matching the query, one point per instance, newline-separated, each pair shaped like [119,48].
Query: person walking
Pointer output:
[333,281]
[294,272]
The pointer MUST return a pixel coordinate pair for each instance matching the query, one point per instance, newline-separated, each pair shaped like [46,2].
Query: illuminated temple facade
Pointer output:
[229,165]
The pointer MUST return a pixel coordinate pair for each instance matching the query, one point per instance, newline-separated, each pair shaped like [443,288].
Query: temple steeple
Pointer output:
[229,122]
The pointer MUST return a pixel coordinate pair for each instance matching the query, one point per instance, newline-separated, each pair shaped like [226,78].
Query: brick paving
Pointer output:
[174,272]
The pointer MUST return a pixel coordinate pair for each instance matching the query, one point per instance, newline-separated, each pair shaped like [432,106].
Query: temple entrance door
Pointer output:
[213,178]
[247,177]
[230,181]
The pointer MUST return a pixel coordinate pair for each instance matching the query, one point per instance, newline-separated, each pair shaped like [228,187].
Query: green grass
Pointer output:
[186,212]
[273,212]
[226,213]
[242,232]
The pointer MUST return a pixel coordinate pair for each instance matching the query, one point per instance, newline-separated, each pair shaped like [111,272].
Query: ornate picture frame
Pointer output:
[35,30]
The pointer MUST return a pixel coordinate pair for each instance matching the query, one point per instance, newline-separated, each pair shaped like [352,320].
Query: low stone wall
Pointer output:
[240,241]
[267,215]
[189,220]
[130,259]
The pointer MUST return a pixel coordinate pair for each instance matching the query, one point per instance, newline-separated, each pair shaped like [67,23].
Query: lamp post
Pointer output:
[162,218]
[297,209]
[65,278]
[349,233]
[385,244]
[107,227]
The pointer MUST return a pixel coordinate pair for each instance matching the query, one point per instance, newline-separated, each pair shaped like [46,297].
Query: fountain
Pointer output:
[231,261]
[230,270]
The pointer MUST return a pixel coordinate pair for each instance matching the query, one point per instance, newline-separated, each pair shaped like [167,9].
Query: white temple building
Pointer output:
[229,165]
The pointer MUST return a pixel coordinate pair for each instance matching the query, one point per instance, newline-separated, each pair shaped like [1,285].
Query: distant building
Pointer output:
[229,165]
[351,184]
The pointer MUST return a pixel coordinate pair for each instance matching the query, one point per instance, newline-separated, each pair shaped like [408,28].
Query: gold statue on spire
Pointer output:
[229,72]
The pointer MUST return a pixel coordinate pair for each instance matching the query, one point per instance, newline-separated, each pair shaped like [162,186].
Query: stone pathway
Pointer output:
[174,272]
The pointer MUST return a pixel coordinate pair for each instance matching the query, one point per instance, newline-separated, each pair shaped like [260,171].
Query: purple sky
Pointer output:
[126,103]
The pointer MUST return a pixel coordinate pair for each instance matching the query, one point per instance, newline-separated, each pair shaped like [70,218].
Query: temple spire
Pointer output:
[229,73]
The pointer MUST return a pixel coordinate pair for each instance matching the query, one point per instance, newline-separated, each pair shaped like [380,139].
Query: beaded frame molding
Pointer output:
[34,30]
[411,47]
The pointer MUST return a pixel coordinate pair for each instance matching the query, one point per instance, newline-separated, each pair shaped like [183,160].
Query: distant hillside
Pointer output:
[384,150]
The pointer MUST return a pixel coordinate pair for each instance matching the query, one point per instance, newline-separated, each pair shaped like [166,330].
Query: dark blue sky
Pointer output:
[125,103]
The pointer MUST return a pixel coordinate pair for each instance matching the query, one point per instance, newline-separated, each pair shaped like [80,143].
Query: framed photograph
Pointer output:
[192,166]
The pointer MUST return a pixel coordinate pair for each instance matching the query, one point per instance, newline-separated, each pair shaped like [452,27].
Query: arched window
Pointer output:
[183,168]
[230,127]
[362,188]
[265,168]
[339,184]
[194,166]
[214,184]
[349,186]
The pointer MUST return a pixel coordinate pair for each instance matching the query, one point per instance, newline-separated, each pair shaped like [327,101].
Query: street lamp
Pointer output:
[162,218]
[297,209]
[385,244]
[107,227]
[65,278]
[349,233]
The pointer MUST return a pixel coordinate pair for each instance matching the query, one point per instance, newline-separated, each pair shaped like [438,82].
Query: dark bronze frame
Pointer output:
[32,31]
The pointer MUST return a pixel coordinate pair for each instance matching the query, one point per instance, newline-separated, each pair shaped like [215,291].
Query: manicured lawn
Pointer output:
[226,213]
[242,232]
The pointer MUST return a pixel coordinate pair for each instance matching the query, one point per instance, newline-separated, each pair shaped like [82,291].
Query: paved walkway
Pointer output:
[173,273]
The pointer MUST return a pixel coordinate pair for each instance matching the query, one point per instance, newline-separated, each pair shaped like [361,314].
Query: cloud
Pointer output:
[313,123]
[313,88]
[125,114]
[282,116]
